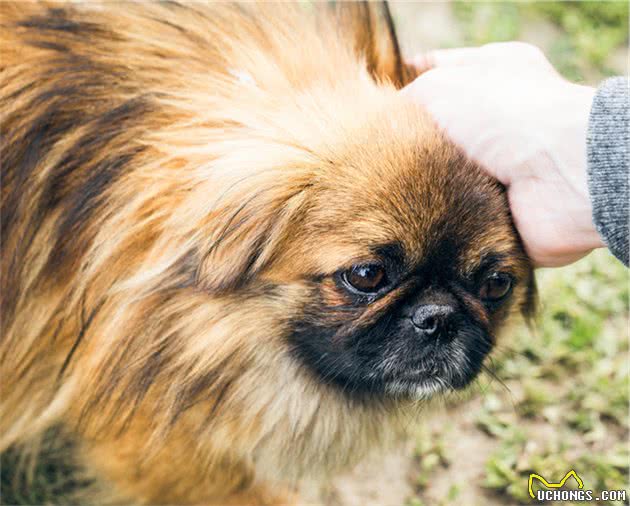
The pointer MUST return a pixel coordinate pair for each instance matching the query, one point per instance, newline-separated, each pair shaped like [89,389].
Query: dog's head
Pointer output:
[385,260]
[395,256]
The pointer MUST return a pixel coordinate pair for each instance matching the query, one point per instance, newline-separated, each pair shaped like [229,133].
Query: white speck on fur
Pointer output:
[242,76]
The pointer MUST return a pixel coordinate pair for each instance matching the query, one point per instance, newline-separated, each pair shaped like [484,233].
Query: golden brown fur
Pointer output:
[170,174]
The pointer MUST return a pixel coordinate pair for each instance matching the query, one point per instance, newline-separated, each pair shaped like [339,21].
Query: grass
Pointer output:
[588,31]
[574,374]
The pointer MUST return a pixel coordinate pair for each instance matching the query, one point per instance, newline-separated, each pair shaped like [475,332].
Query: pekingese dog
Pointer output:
[233,254]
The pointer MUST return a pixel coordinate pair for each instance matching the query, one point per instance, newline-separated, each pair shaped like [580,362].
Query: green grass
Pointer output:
[593,30]
[587,31]
[574,371]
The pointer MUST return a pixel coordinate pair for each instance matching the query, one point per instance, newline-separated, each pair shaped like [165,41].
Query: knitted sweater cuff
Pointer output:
[608,164]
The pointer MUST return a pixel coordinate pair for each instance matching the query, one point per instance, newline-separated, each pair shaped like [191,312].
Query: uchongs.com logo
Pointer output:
[554,491]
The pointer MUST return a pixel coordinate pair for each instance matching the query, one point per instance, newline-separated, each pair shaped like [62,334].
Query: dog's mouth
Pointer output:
[434,375]
[397,362]
[437,372]
[409,371]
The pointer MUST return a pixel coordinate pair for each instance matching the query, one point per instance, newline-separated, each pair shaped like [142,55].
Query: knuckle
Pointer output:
[528,49]
[523,50]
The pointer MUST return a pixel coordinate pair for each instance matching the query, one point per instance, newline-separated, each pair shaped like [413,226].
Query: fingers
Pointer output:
[433,82]
[443,58]
[497,52]
[449,57]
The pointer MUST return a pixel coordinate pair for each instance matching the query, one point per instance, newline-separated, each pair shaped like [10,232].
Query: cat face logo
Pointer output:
[542,480]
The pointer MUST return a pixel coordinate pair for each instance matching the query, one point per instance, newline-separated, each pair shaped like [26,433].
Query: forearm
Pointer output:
[609,164]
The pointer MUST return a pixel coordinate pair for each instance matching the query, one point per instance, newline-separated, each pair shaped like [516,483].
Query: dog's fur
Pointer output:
[179,184]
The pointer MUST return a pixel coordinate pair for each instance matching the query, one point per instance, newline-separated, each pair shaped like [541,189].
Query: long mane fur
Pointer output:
[152,160]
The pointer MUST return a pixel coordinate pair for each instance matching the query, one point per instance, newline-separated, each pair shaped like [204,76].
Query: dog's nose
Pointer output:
[431,319]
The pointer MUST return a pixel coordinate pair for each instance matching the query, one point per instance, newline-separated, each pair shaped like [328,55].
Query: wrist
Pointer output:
[578,168]
[561,227]
[571,164]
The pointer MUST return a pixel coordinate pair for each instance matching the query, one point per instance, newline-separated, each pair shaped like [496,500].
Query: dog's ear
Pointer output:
[529,306]
[372,26]
[251,232]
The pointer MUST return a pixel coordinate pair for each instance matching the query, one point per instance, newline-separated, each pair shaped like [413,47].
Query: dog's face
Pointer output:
[405,260]
[426,266]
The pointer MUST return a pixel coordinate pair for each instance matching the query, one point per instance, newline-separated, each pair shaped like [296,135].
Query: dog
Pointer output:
[233,253]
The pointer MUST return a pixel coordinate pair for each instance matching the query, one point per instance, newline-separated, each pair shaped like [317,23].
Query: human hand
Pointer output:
[507,107]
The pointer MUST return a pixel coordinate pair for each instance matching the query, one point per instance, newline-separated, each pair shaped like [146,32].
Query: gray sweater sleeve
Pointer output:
[609,164]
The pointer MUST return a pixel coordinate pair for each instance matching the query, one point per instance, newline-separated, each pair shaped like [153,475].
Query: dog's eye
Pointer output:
[366,278]
[496,287]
